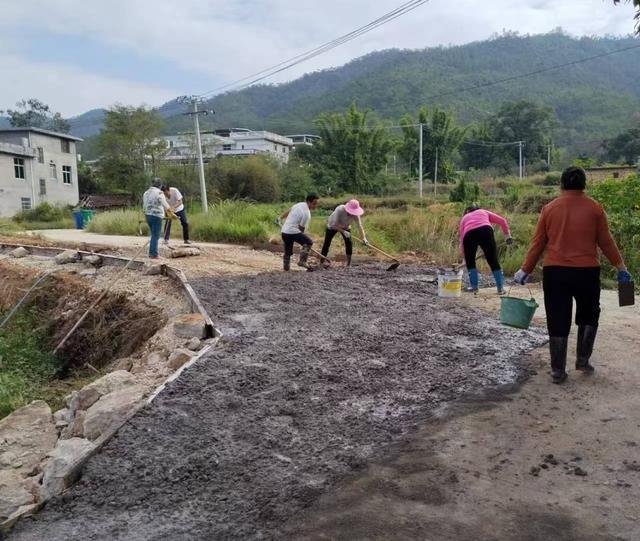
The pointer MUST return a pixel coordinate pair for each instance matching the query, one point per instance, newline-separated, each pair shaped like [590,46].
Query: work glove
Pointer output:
[521,277]
[347,234]
[365,241]
[171,215]
[278,221]
[509,241]
[624,277]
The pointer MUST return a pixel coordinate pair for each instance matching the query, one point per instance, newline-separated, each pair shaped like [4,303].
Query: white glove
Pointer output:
[278,221]
[521,277]
[347,234]
[365,241]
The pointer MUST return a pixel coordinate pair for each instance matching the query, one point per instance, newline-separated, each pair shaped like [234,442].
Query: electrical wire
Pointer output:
[321,49]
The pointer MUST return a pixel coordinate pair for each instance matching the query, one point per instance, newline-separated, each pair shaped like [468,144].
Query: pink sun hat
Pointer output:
[353,207]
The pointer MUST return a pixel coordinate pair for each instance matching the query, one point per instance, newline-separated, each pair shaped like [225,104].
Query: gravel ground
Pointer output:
[317,374]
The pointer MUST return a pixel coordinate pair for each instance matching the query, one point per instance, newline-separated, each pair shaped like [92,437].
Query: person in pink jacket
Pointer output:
[476,230]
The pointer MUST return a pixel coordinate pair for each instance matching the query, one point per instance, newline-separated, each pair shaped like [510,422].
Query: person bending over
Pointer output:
[296,222]
[175,199]
[476,231]
[340,222]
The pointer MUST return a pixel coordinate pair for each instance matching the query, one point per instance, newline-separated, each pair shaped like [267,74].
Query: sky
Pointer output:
[77,55]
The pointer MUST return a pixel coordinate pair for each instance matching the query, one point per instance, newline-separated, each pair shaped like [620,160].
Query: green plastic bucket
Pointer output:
[516,312]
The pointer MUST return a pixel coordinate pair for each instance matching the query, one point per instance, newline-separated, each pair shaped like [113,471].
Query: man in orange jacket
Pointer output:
[571,229]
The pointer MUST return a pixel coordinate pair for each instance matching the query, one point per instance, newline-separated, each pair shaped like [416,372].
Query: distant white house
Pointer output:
[228,142]
[304,139]
[37,165]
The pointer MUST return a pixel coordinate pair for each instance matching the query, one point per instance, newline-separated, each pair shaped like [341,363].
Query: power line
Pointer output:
[325,47]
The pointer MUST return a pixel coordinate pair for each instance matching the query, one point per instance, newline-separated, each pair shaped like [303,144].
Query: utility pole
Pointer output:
[549,157]
[520,161]
[435,176]
[196,125]
[420,160]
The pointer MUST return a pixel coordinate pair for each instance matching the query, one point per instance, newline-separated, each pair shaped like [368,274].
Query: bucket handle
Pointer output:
[530,292]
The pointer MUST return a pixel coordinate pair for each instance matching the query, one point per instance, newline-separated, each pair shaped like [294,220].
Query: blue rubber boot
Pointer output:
[499,277]
[474,279]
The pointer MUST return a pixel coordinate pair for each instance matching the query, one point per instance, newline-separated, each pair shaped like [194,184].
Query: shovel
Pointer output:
[393,265]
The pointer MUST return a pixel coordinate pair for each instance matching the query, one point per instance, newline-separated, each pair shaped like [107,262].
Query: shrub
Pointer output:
[552,179]
[464,192]
[254,178]
[44,212]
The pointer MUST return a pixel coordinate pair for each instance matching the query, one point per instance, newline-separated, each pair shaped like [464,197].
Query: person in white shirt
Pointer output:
[340,222]
[297,220]
[176,201]
[155,207]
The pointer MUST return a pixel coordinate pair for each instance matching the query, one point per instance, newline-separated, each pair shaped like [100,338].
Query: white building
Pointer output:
[304,139]
[230,142]
[37,165]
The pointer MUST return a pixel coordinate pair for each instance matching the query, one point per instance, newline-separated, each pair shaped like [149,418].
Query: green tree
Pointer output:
[252,178]
[129,148]
[350,153]
[523,121]
[439,132]
[88,182]
[625,146]
[33,113]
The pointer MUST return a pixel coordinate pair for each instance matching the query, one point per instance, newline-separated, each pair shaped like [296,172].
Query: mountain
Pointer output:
[87,124]
[593,100]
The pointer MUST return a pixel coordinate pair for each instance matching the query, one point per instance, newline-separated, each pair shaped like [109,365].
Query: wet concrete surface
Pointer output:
[317,375]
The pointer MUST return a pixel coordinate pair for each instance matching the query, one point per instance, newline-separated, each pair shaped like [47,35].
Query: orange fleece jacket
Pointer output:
[571,228]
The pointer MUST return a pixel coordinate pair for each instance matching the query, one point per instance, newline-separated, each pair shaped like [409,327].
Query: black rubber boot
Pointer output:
[586,339]
[286,262]
[304,255]
[348,261]
[558,350]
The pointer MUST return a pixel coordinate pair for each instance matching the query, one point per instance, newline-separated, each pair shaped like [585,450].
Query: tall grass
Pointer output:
[119,222]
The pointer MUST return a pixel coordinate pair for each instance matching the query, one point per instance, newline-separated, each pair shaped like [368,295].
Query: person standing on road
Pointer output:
[476,231]
[340,222]
[571,228]
[297,220]
[155,207]
[176,201]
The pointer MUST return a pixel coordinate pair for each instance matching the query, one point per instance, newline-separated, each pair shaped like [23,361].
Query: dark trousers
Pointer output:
[289,240]
[563,284]
[484,238]
[328,237]
[183,222]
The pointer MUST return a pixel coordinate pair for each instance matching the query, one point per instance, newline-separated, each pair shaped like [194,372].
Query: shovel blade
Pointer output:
[393,266]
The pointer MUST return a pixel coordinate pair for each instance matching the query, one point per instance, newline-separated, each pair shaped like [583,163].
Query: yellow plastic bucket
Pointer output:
[450,284]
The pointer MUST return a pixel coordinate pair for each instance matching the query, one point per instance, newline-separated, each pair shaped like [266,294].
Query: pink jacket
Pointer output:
[482,218]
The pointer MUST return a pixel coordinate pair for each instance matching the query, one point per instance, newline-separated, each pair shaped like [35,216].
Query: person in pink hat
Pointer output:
[340,222]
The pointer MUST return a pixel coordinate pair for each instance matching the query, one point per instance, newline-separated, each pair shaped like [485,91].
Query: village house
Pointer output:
[596,174]
[228,142]
[37,166]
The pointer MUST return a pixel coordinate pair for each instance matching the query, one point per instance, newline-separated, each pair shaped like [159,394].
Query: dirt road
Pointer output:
[545,463]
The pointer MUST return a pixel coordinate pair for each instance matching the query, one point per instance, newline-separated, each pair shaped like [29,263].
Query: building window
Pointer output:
[284,150]
[242,147]
[170,144]
[53,172]
[40,155]
[66,174]
[275,147]
[65,145]
[616,174]
[43,186]
[25,203]
[226,147]
[18,167]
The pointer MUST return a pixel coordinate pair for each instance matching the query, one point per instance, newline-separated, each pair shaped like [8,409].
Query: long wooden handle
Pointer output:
[376,249]
[320,255]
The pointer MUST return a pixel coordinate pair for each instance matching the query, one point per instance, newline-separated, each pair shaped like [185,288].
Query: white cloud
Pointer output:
[69,90]
[225,40]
